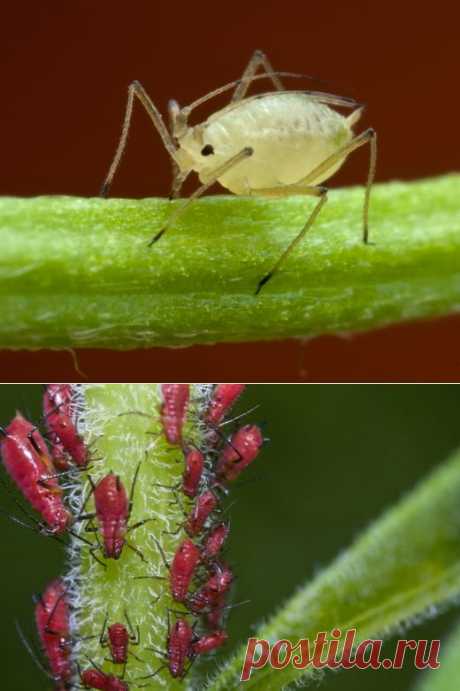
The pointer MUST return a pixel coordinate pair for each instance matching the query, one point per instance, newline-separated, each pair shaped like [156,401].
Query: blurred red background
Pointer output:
[65,71]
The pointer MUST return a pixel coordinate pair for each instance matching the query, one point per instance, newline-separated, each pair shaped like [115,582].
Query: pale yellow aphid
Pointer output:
[273,144]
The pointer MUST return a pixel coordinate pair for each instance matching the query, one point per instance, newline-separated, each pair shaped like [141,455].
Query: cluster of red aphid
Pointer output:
[205,478]
[35,469]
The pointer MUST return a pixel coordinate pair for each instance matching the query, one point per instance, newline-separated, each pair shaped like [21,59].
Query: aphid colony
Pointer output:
[198,579]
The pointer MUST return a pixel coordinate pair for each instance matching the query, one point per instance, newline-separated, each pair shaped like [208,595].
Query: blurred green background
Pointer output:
[338,456]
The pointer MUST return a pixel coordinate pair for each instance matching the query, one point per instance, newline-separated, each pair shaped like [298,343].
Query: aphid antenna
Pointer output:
[37,526]
[30,649]
[133,487]
[136,412]
[154,674]
[241,415]
[350,102]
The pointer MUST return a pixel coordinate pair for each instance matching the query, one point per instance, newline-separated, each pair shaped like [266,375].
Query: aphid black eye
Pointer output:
[207,150]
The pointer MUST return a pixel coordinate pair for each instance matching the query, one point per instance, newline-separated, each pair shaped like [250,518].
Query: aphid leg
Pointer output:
[133,487]
[139,523]
[217,173]
[294,189]
[103,640]
[258,59]
[136,550]
[368,136]
[161,551]
[136,89]
[134,636]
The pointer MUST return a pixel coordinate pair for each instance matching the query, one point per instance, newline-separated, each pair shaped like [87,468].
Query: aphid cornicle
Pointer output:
[27,461]
[273,144]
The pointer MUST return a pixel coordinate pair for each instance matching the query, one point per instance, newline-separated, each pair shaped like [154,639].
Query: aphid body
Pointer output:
[26,459]
[210,595]
[215,540]
[118,641]
[52,620]
[57,406]
[96,679]
[179,645]
[223,397]
[239,452]
[173,410]
[273,144]
[183,568]
[208,643]
[205,504]
[112,511]
[289,134]
[194,464]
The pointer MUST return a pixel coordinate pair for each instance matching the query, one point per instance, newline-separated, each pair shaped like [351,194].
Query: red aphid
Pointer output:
[210,595]
[112,511]
[223,397]
[194,464]
[173,410]
[96,679]
[25,456]
[179,647]
[215,541]
[214,615]
[183,567]
[206,644]
[66,442]
[52,620]
[239,452]
[118,640]
[205,504]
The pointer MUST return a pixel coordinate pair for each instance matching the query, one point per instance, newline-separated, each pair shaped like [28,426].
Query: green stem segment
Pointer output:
[121,425]
[79,273]
[404,566]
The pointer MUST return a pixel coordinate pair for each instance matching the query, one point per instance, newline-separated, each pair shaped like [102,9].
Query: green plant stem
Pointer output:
[405,566]
[78,272]
[120,423]
[446,677]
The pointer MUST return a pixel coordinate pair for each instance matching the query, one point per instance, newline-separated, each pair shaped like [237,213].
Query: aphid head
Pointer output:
[196,150]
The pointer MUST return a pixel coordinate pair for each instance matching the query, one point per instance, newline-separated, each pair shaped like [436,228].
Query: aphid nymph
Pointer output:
[277,143]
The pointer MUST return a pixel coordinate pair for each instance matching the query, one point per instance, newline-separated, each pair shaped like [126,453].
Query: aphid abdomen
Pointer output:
[57,405]
[112,509]
[52,620]
[179,647]
[118,640]
[290,134]
[183,567]
[29,465]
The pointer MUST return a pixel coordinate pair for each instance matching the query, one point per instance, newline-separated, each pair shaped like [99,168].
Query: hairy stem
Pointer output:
[119,442]
[78,272]
[403,568]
